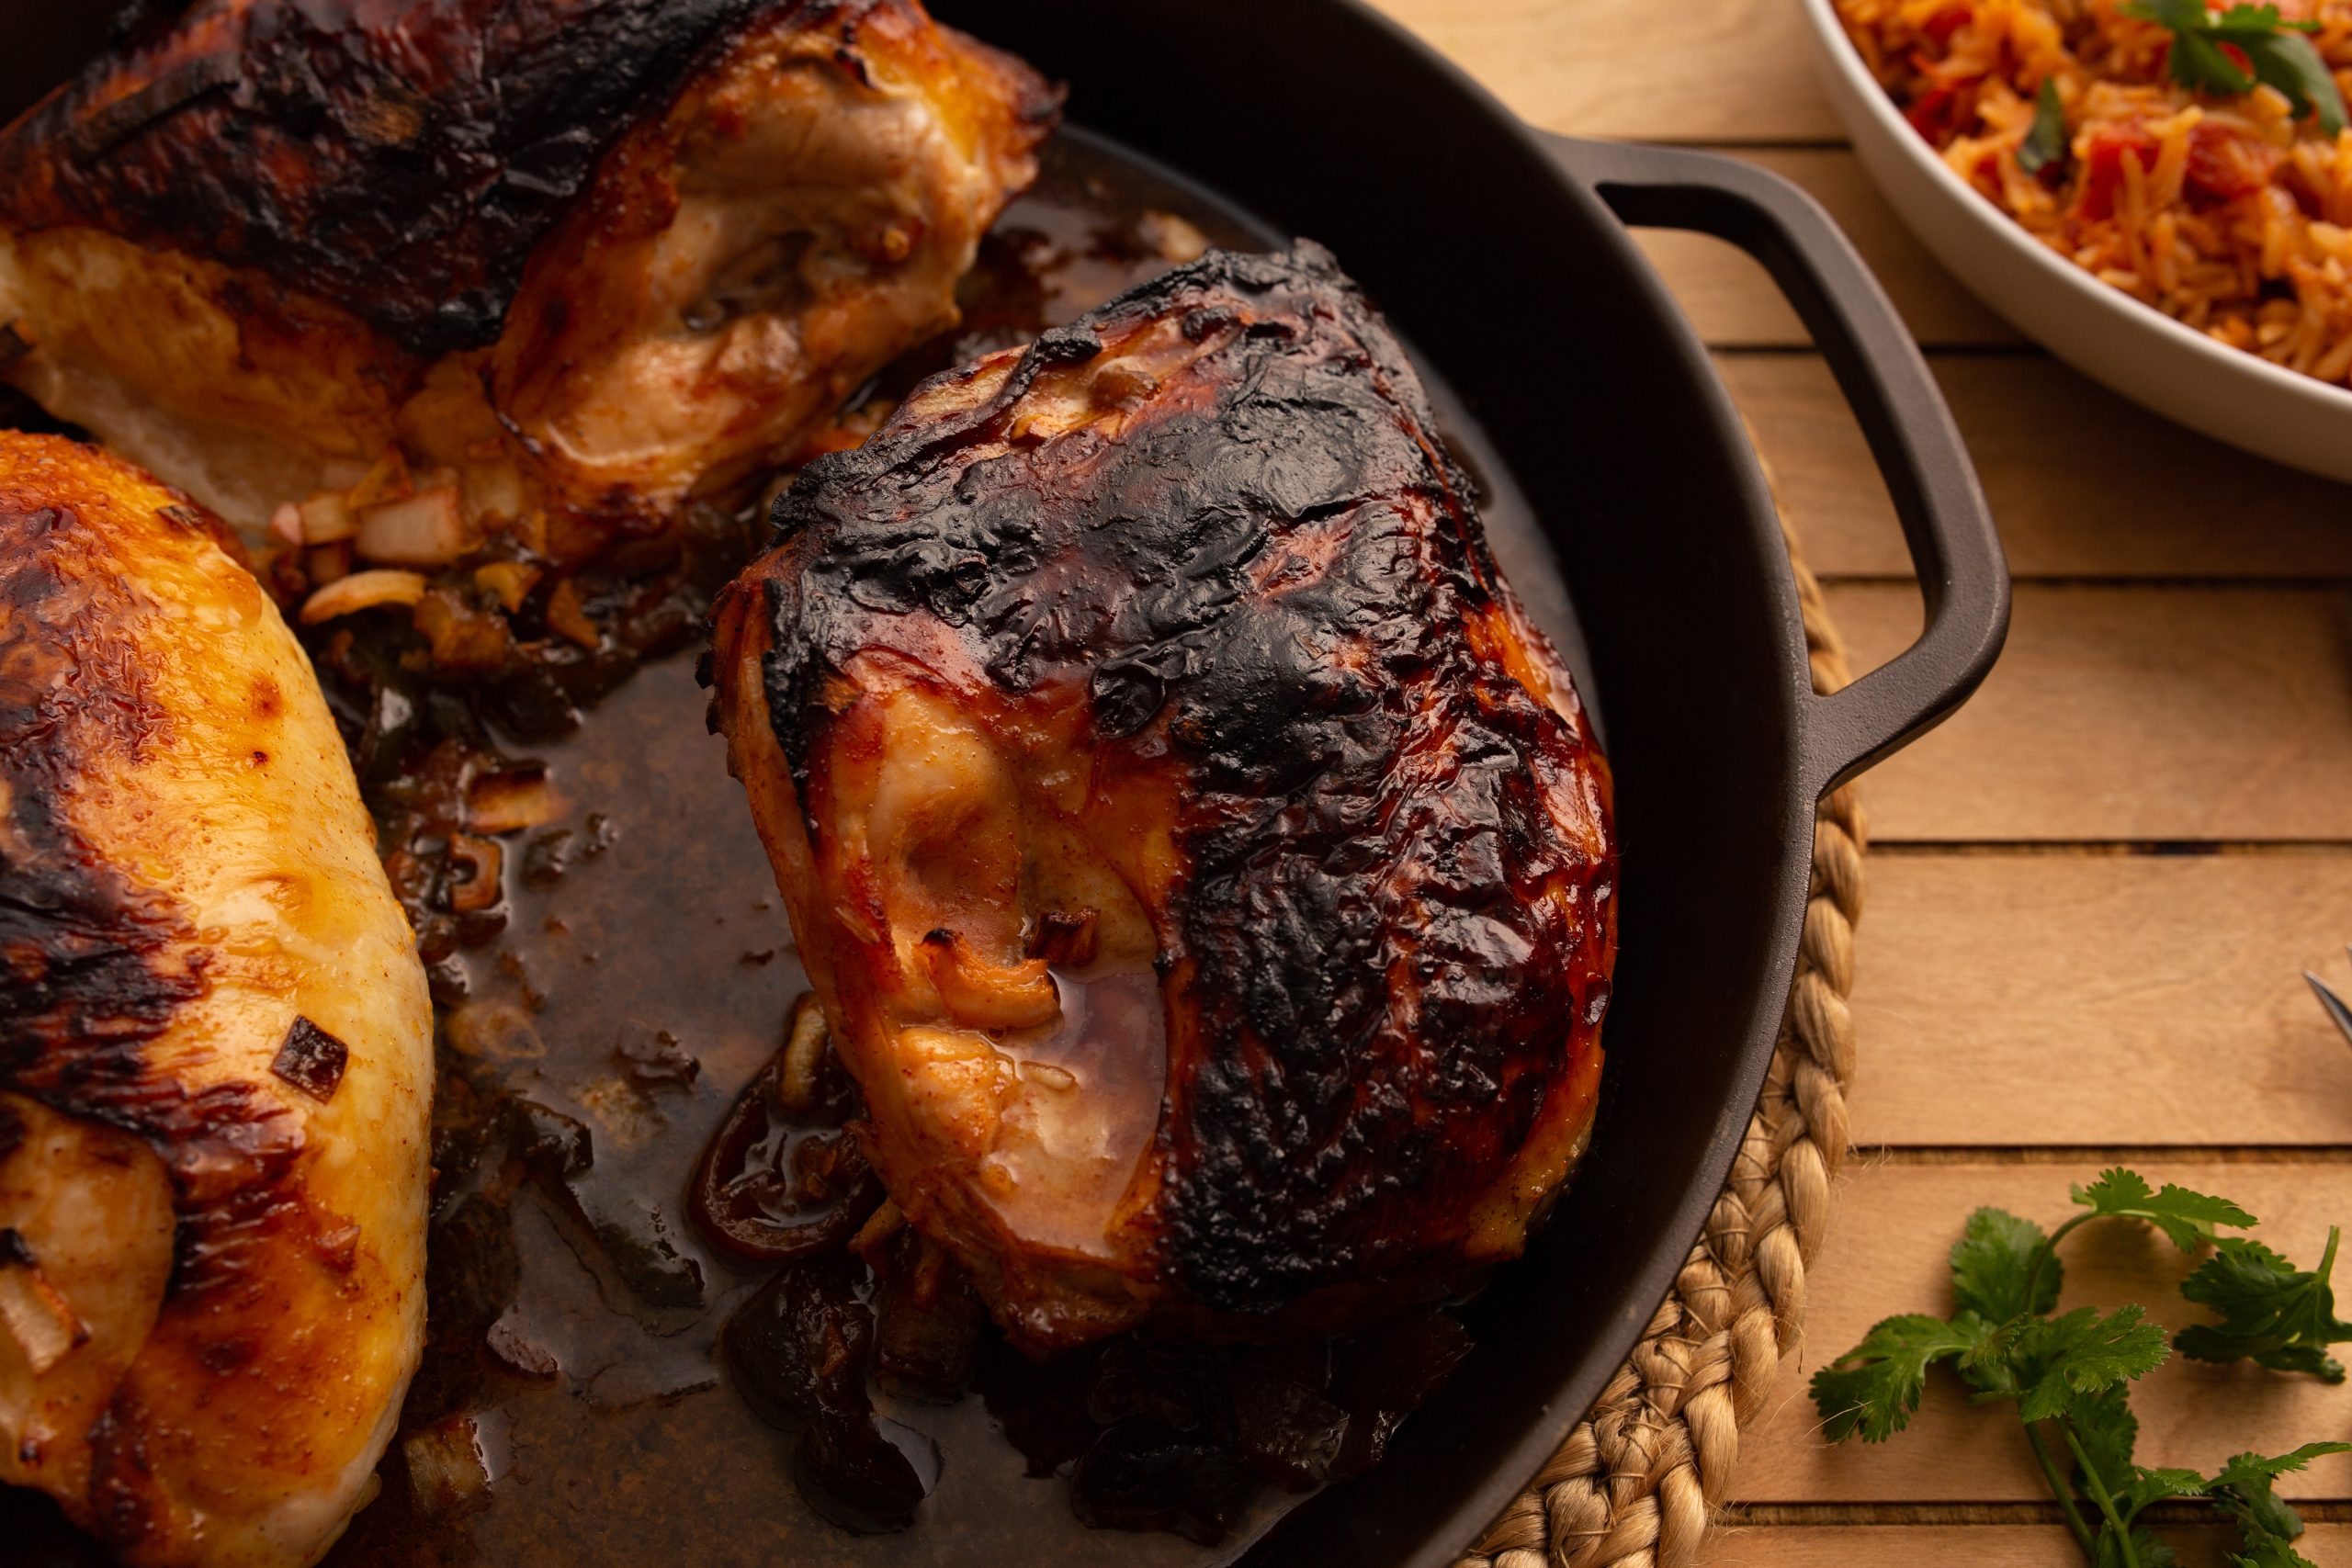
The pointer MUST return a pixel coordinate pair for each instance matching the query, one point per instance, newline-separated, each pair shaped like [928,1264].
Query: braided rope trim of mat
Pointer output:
[1636,1483]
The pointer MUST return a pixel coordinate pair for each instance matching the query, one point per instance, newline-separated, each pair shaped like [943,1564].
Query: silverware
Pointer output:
[2337,1008]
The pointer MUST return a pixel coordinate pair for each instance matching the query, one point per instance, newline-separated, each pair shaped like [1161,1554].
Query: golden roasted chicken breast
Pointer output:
[409,276]
[215,1044]
[1205,867]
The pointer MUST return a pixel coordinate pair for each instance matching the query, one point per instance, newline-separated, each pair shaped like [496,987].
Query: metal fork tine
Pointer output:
[2335,1007]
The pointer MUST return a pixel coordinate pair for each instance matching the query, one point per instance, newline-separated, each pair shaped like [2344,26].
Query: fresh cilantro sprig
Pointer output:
[2068,1374]
[2276,52]
[2272,1313]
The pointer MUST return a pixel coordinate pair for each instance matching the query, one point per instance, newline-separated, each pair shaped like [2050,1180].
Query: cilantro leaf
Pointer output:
[1992,1264]
[2272,1553]
[2278,53]
[2272,1313]
[2147,1552]
[2067,1375]
[2197,60]
[1874,1388]
[2106,1428]
[2147,1486]
[2046,143]
[2292,63]
[2184,1216]
[2180,16]
[2242,1490]
[2240,20]
[2081,1353]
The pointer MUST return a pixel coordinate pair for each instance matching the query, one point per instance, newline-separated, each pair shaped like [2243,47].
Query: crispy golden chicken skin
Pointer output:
[552,265]
[1205,867]
[215,1044]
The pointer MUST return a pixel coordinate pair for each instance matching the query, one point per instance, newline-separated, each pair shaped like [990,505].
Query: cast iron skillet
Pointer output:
[1503,256]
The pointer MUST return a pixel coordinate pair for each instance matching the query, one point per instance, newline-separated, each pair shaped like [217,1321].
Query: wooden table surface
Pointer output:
[2091,893]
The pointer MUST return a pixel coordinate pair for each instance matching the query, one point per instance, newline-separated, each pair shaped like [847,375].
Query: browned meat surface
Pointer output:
[215,1047]
[1205,865]
[417,280]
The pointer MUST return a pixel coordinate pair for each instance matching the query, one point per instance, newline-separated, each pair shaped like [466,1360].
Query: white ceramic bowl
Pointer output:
[2109,336]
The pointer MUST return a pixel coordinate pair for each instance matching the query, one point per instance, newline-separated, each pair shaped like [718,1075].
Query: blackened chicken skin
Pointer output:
[559,263]
[1204,865]
[215,1046]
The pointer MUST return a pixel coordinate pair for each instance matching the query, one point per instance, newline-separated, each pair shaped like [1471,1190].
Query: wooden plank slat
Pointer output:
[1885,1254]
[1735,304]
[2082,483]
[2129,714]
[2170,984]
[1726,71]
[1973,1546]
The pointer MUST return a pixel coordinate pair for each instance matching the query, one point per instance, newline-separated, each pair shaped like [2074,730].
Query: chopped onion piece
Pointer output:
[454,1461]
[326,518]
[1175,239]
[362,590]
[483,861]
[327,563]
[566,614]
[286,524]
[799,1081]
[425,529]
[464,637]
[530,531]
[493,493]
[510,579]
[880,1227]
[501,803]
[388,481]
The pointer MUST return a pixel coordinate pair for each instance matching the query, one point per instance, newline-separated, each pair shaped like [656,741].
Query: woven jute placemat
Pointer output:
[1637,1482]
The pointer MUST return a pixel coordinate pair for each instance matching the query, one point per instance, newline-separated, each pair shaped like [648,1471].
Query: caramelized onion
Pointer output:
[1065,939]
[362,590]
[326,518]
[505,802]
[387,480]
[775,1184]
[494,492]
[800,1348]
[980,994]
[451,1463]
[511,581]
[927,1321]
[567,615]
[424,529]
[463,637]
[481,861]
[801,1076]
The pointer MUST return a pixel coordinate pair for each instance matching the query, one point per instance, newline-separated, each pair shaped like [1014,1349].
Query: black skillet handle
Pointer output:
[1962,572]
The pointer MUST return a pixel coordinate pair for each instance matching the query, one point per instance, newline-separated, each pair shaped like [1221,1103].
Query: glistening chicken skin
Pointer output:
[552,266]
[1205,867]
[216,1058]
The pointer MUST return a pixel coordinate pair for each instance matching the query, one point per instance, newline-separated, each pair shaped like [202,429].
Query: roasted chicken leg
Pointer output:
[1205,867]
[477,268]
[215,1044]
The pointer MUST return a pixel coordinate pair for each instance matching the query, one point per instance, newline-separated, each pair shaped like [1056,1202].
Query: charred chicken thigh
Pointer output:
[215,1044]
[1205,867]
[412,274]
